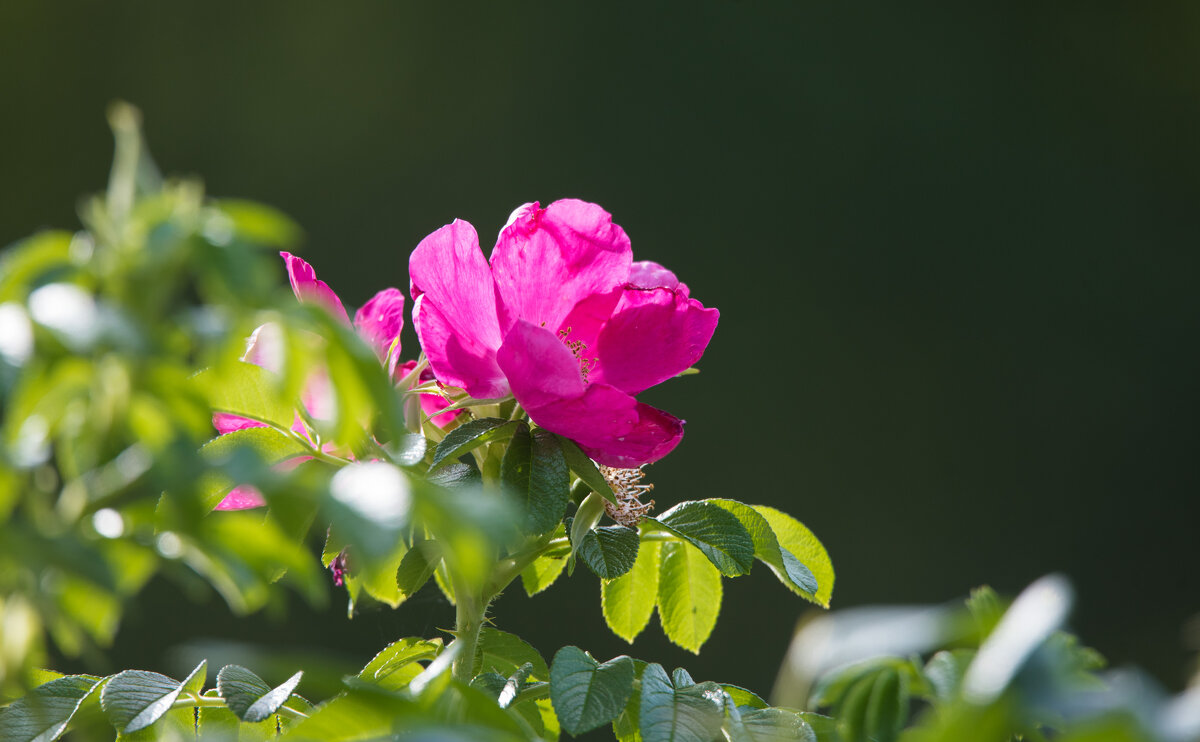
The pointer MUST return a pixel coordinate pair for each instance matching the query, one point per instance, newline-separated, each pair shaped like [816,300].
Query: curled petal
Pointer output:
[454,310]
[646,274]
[653,335]
[549,260]
[308,288]
[379,322]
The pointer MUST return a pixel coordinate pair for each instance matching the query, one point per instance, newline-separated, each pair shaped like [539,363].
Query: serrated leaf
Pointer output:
[628,601]
[505,653]
[795,537]
[455,476]
[714,531]
[585,693]
[609,551]
[246,390]
[586,470]
[534,475]
[541,574]
[689,595]
[471,435]
[944,672]
[135,699]
[670,714]
[271,445]
[396,664]
[43,714]
[248,697]
[742,697]
[790,571]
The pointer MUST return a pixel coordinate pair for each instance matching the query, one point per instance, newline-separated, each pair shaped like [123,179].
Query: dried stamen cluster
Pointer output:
[627,486]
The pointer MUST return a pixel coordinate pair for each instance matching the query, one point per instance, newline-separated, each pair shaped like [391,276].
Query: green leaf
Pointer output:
[797,539]
[714,531]
[790,571]
[585,693]
[670,714]
[396,665]
[455,476]
[505,653]
[246,390]
[541,574]
[248,697]
[887,707]
[135,699]
[586,470]
[258,223]
[534,474]
[44,713]
[628,601]
[609,551]
[689,595]
[742,697]
[417,566]
[471,435]
[944,672]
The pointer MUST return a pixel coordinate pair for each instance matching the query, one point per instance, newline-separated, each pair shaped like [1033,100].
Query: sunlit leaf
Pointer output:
[689,595]
[587,694]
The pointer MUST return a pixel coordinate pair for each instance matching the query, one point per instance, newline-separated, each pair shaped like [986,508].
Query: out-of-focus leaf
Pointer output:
[259,224]
[246,390]
[505,653]
[397,664]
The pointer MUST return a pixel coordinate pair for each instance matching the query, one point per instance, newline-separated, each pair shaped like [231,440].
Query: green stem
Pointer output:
[210,702]
[468,621]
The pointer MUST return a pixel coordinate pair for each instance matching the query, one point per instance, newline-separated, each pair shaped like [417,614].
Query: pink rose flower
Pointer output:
[564,320]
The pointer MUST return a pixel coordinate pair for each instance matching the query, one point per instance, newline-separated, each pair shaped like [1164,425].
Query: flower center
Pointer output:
[577,348]
[627,486]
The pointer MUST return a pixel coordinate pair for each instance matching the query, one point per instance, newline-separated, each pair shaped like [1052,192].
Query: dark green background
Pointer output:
[954,250]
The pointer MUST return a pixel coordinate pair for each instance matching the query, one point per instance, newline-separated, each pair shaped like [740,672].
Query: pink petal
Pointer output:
[610,425]
[242,498]
[653,335]
[225,423]
[539,366]
[308,288]
[454,310]
[646,274]
[265,347]
[379,321]
[549,260]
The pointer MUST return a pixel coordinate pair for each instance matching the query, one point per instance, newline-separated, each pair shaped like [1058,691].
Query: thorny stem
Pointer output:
[468,621]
